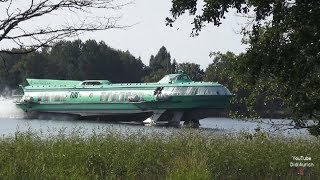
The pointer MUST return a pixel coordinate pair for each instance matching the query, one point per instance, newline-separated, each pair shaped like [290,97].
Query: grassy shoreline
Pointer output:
[185,154]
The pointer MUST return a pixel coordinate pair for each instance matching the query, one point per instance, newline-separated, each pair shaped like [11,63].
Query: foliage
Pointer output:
[218,70]
[88,60]
[193,70]
[161,65]
[223,71]
[72,60]
[155,76]
[282,61]
[162,60]
[186,154]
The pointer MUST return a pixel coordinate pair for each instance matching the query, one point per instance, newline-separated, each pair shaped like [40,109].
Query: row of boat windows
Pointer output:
[105,97]
[121,97]
[56,98]
[218,90]
[129,96]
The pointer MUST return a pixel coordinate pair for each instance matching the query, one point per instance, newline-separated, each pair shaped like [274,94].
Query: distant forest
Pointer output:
[77,60]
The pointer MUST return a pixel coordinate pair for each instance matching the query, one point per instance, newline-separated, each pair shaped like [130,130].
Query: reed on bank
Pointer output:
[185,154]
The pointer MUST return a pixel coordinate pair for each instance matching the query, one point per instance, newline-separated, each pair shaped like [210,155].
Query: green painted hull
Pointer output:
[100,97]
[176,102]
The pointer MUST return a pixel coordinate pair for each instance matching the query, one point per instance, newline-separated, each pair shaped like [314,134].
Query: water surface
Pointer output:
[11,121]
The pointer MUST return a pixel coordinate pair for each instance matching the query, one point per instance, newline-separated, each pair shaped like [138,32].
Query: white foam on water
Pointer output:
[8,109]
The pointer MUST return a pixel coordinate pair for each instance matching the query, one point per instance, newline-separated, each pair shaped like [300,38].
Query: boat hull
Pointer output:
[174,97]
[176,103]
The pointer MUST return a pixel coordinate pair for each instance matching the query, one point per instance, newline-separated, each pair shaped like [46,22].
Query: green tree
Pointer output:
[219,69]
[10,75]
[159,65]
[64,60]
[162,60]
[132,68]
[193,70]
[71,60]
[155,76]
[222,71]
[282,60]
[174,66]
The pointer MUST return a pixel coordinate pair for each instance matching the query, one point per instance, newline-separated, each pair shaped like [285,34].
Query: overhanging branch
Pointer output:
[11,29]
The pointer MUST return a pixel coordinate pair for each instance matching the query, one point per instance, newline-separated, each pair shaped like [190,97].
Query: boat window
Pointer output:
[92,83]
[179,90]
[121,97]
[110,97]
[166,79]
[104,96]
[183,91]
[191,90]
[128,94]
[211,91]
[218,90]
[167,90]
[45,98]
[40,97]
[223,91]
[57,98]
[115,97]
[141,94]
[183,77]
[202,90]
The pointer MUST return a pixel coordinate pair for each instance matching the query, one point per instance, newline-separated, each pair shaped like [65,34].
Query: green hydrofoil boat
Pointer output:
[173,99]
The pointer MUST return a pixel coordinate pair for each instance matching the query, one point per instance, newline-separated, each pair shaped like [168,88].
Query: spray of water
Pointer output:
[8,109]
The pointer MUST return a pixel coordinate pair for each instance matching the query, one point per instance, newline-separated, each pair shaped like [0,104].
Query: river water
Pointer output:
[11,121]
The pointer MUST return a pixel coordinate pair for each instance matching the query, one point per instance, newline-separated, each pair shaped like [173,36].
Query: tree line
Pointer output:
[77,60]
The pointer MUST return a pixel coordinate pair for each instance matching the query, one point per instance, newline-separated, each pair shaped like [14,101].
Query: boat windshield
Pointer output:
[166,79]
[175,78]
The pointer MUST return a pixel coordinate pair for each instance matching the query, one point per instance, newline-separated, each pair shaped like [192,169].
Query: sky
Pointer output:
[149,33]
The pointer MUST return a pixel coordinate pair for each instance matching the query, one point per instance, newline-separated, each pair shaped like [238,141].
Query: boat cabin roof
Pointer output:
[175,78]
[170,80]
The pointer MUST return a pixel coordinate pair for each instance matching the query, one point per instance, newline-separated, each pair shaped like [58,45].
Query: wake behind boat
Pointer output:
[173,99]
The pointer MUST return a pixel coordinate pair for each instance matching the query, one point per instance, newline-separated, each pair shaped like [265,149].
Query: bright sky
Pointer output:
[146,37]
[150,32]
